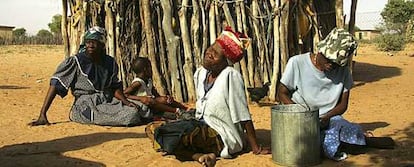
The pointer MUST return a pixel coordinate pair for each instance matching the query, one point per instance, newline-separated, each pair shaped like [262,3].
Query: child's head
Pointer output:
[142,67]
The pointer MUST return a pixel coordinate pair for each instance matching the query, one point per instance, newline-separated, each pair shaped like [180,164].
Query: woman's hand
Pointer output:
[164,99]
[147,100]
[170,99]
[284,95]
[42,120]
[324,120]
[262,150]
[128,103]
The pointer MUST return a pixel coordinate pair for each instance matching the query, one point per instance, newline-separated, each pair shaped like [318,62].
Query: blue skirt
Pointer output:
[341,130]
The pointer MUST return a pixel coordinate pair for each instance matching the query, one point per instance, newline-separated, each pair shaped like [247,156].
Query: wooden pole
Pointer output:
[352,17]
[243,66]
[118,57]
[205,30]
[110,22]
[315,27]
[258,70]
[188,57]
[151,53]
[284,49]
[64,27]
[339,14]
[75,25]
[162,52]
[195,33]
[212,22]
[250,61]
[266,36]
[172,50]
[352,30]
[218,20]
[227,14]
[296,34]
[276,53]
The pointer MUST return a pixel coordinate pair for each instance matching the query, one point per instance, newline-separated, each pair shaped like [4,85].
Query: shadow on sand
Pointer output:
[13,87]
[373,125]
[367,73]
[264,137]
[401,155]
[50,153]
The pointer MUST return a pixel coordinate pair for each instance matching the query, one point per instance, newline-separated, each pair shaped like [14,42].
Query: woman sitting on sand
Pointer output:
[92,77]
[323,81]
[222,115]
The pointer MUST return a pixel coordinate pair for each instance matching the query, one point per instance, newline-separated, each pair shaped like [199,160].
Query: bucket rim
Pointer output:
[283,108]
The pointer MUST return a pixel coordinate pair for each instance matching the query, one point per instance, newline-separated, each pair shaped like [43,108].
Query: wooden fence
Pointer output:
[175,34]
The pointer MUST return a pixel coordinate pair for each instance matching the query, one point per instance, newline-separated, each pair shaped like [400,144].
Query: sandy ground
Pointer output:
[380,101]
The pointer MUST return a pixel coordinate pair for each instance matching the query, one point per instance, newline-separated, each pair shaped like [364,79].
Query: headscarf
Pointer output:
[233,44]
[338,46]
[94,33]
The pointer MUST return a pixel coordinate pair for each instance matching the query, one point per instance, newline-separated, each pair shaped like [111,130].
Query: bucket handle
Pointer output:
[304,101]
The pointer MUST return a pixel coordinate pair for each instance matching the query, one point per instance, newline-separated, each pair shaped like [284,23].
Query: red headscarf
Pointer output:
[233,44]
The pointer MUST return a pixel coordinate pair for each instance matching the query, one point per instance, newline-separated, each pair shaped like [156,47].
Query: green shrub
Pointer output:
[390,42]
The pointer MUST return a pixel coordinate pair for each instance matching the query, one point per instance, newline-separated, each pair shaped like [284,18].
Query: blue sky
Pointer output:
[34,15]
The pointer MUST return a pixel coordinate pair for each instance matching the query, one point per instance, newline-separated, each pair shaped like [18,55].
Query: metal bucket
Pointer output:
[295,135]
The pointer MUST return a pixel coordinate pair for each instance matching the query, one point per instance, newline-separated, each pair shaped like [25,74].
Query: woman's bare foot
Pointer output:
[207,160]
[368,134]
[262,151]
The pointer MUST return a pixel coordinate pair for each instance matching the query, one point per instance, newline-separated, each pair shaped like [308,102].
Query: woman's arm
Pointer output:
[251,138]
[132,88]
[284,95]
[339,109]
[50,96]
[147,100]
[121,96]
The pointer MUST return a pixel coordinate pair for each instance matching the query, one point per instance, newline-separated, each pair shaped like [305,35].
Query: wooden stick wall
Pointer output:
[175,34]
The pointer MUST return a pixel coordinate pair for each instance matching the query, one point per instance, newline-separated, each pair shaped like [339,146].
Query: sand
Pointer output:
[381,102]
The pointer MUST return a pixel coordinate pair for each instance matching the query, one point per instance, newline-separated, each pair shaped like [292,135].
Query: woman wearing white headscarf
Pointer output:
[92,77]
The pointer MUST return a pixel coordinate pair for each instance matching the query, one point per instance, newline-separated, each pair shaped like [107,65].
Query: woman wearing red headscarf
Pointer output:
[222,116]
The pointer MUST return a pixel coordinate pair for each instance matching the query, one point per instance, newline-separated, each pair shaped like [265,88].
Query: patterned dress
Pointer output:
[93,86]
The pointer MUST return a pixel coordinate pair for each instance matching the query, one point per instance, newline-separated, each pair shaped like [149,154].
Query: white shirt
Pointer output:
[223,107]
[144,89]
[318,89]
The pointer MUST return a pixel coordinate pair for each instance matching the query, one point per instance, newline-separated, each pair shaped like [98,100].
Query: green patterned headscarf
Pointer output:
[96,33]
[338,46]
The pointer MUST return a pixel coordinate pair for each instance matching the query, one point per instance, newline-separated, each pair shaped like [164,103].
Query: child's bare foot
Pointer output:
[207,160]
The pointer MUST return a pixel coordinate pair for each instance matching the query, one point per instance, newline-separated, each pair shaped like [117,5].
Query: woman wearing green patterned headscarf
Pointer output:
[92,77]
[323,81]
